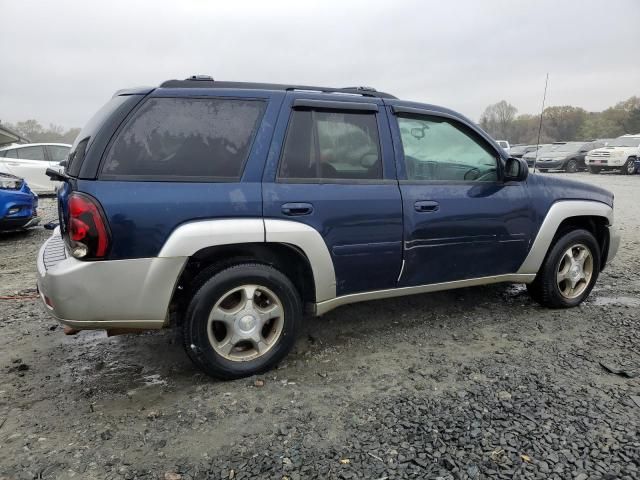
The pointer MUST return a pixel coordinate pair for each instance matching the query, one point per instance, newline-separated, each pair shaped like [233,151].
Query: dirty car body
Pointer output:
[248,204]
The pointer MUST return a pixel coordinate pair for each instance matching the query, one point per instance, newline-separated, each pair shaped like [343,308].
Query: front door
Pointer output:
[461,220]
[335,172]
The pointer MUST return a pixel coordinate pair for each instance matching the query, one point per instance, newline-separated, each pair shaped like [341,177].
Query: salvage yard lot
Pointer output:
[473,383]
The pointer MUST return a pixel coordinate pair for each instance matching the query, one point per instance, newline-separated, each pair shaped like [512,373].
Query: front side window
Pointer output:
[436,149]
[31,153]
[331,145]
[186,137]
[58,153]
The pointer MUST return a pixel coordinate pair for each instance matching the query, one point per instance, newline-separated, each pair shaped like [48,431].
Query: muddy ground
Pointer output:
[474,383]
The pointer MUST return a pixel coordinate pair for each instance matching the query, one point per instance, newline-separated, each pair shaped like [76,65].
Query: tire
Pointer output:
[543,170]
[629,168]
[551,292]
[571,166]
[595,170]
[234,344]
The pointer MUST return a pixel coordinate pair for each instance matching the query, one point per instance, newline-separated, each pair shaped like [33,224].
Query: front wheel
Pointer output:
[629,168]
[572,166]
[595,169]
[569,271]
[242,321]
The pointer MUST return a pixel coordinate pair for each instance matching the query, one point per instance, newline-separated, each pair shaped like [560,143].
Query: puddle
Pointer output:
[624,301]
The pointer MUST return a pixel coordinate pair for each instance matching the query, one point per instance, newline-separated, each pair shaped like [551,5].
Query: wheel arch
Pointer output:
[294,248]
[566,215]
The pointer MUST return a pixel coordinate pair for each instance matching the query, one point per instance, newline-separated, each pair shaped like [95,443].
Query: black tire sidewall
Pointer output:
[550,284]
[630,162]
[195,325]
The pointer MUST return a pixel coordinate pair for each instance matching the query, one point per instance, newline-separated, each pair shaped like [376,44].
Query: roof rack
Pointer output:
[206,81]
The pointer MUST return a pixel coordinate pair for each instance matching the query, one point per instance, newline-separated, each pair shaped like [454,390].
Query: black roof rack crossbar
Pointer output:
[201,81]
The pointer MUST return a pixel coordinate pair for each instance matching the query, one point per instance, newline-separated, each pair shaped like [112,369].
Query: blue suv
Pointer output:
[231,209]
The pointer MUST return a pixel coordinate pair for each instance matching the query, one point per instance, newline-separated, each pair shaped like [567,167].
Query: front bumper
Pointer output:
[549,164]
[614,243]
[10,224]
[606,162]
[106,294]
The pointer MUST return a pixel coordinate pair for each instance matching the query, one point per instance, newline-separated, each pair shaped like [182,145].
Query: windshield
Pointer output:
[625,142]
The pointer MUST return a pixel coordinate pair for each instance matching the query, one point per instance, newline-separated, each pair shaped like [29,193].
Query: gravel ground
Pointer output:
[473,383]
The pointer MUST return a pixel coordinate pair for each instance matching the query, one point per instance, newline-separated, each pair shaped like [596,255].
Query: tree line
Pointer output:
[500,120]
[561,123]
[36,133]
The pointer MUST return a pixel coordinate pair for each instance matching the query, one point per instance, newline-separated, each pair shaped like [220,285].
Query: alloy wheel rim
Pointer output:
[245,323]
[631,166]
[575,271]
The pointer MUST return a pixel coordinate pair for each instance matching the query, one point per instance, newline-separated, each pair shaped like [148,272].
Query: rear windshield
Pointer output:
[185,138]
[86,135]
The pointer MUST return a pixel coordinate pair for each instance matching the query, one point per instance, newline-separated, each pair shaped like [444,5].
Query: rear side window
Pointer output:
[331,145]
[192,138]
[31,153]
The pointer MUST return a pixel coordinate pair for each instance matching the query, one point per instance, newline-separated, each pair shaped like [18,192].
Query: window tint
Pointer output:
[57,153]
[436,149]
[186,137]
[31,153]
[331,145]
[10,153]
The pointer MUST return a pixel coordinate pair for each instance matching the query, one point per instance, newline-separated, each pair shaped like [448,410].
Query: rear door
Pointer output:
[331,167]
[31,164]
[461,219]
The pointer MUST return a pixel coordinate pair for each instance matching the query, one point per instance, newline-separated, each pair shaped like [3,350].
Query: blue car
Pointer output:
[18,204]
[230,210]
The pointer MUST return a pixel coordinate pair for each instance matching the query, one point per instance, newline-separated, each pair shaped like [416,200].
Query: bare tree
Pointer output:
[498,120]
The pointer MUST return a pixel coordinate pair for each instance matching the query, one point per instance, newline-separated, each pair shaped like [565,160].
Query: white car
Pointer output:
[504,144]
[30,161]
[619,154]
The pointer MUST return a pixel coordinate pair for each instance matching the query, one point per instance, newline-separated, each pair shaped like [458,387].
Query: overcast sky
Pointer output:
[61,60]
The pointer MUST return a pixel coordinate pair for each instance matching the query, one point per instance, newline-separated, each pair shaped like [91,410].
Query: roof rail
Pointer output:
[206,81]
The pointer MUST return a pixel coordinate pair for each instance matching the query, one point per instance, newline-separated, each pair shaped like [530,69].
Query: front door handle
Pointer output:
[426,206]
[297,209]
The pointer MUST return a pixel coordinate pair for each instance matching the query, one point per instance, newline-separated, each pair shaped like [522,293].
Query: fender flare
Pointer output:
[559,212]
[189,238]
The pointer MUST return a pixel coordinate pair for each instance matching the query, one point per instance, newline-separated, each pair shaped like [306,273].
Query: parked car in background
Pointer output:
[18,204]
[229,209]
[567,156]
[530,156]
[518,151]
[30,161]
[620,154]
[504,144]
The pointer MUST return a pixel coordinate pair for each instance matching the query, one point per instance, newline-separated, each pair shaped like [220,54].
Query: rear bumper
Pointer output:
[105,294]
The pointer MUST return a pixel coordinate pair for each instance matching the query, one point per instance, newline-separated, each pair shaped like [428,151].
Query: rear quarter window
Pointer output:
[185,138]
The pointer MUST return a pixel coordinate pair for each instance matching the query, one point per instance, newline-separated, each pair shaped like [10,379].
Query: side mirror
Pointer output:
[516,170]
[63,163]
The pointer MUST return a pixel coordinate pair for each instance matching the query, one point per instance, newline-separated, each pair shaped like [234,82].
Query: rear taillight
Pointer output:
[87,233]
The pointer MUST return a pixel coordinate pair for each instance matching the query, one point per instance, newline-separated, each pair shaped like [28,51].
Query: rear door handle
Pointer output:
[297,209]
[426,206]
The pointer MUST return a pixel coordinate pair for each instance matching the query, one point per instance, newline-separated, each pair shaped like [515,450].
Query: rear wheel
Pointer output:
[594,169]
[629,168]
[569,271]
[242,321]
[571,166]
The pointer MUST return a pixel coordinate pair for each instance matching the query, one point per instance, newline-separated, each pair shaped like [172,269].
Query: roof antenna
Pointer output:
[544,97]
